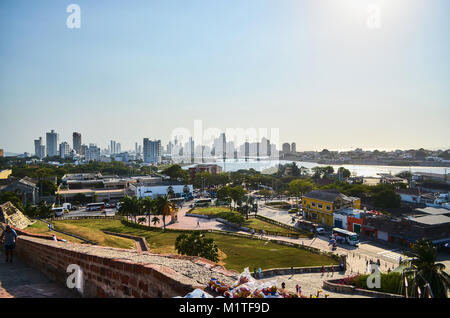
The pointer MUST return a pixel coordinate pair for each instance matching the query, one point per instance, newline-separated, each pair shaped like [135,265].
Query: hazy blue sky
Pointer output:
[312,68]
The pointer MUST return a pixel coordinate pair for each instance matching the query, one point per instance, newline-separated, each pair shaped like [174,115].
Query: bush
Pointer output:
[195,244]
[390,283]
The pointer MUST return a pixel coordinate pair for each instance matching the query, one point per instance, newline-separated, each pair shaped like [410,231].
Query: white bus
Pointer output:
[349,237]
[202,202]
[58,211]
[95,206]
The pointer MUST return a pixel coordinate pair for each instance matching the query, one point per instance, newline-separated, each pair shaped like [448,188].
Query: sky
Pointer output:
[335,74]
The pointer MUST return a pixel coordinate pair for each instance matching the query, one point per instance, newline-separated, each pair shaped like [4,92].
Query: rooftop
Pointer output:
[431,219]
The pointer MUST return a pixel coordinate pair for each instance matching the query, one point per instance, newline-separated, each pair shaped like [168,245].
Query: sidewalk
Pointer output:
[17,280]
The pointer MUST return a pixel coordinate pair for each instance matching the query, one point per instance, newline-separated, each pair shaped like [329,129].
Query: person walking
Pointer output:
[198,223]
[8,239]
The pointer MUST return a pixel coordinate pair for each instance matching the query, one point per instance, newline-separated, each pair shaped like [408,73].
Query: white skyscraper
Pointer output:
[64,149]
[52,139]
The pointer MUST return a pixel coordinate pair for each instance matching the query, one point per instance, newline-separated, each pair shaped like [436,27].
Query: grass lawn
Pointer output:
[94,233]
[40,227]
[211,211]
[235,252]
[253,223]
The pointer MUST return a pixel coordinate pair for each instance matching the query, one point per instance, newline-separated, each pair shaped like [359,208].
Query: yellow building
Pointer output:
[319,205]
[4,174]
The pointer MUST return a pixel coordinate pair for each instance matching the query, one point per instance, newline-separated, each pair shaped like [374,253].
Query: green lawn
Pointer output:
[211,211]
[40,227]
[94,233]
[235,252]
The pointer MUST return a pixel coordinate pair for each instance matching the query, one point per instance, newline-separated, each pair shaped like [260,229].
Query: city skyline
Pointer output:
[315,70]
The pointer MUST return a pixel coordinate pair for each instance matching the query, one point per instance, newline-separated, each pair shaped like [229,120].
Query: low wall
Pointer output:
[142,241]
[331,285]
[113,272]
[197,215]
[240,228]
[297,270]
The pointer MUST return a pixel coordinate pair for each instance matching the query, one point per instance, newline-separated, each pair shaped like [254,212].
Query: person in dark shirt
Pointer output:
[8,238]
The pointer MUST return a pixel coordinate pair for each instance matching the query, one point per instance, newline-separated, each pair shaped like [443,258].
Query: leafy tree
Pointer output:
[299,186]
[344,173]
[197,244]
[223,194]
[79,198]
[13,198]
[170,192]
[237,194]
[47,187]
[175,172]
[387,199]
[295,170]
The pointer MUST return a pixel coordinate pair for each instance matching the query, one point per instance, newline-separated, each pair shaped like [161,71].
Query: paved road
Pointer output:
[18,280]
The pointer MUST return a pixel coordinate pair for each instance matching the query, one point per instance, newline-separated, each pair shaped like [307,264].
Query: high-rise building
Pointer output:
[52,139]
[152,151]
[77,142]
[112,149]
[64,149]
[84,148]
[293,147]
[39,148]
[286,147]
[169,148]
[92,153]
[1,153]
[118,148]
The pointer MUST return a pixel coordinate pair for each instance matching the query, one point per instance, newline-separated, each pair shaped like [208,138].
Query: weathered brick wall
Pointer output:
[111,272]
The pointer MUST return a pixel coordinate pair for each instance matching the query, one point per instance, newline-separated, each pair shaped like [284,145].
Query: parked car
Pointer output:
[320,230]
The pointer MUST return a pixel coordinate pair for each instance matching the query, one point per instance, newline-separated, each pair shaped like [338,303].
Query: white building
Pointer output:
[64,149]
[156,189]
[52,143]
[92,153]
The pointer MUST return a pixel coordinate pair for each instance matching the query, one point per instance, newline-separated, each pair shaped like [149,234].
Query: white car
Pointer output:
[320,230]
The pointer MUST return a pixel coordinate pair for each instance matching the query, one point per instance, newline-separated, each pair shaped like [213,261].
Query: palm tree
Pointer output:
[148,207]
[429,276]
[130,206]
[165,207]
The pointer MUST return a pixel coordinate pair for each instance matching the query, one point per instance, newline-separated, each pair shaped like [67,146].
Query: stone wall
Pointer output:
[113,272]
[11,215]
